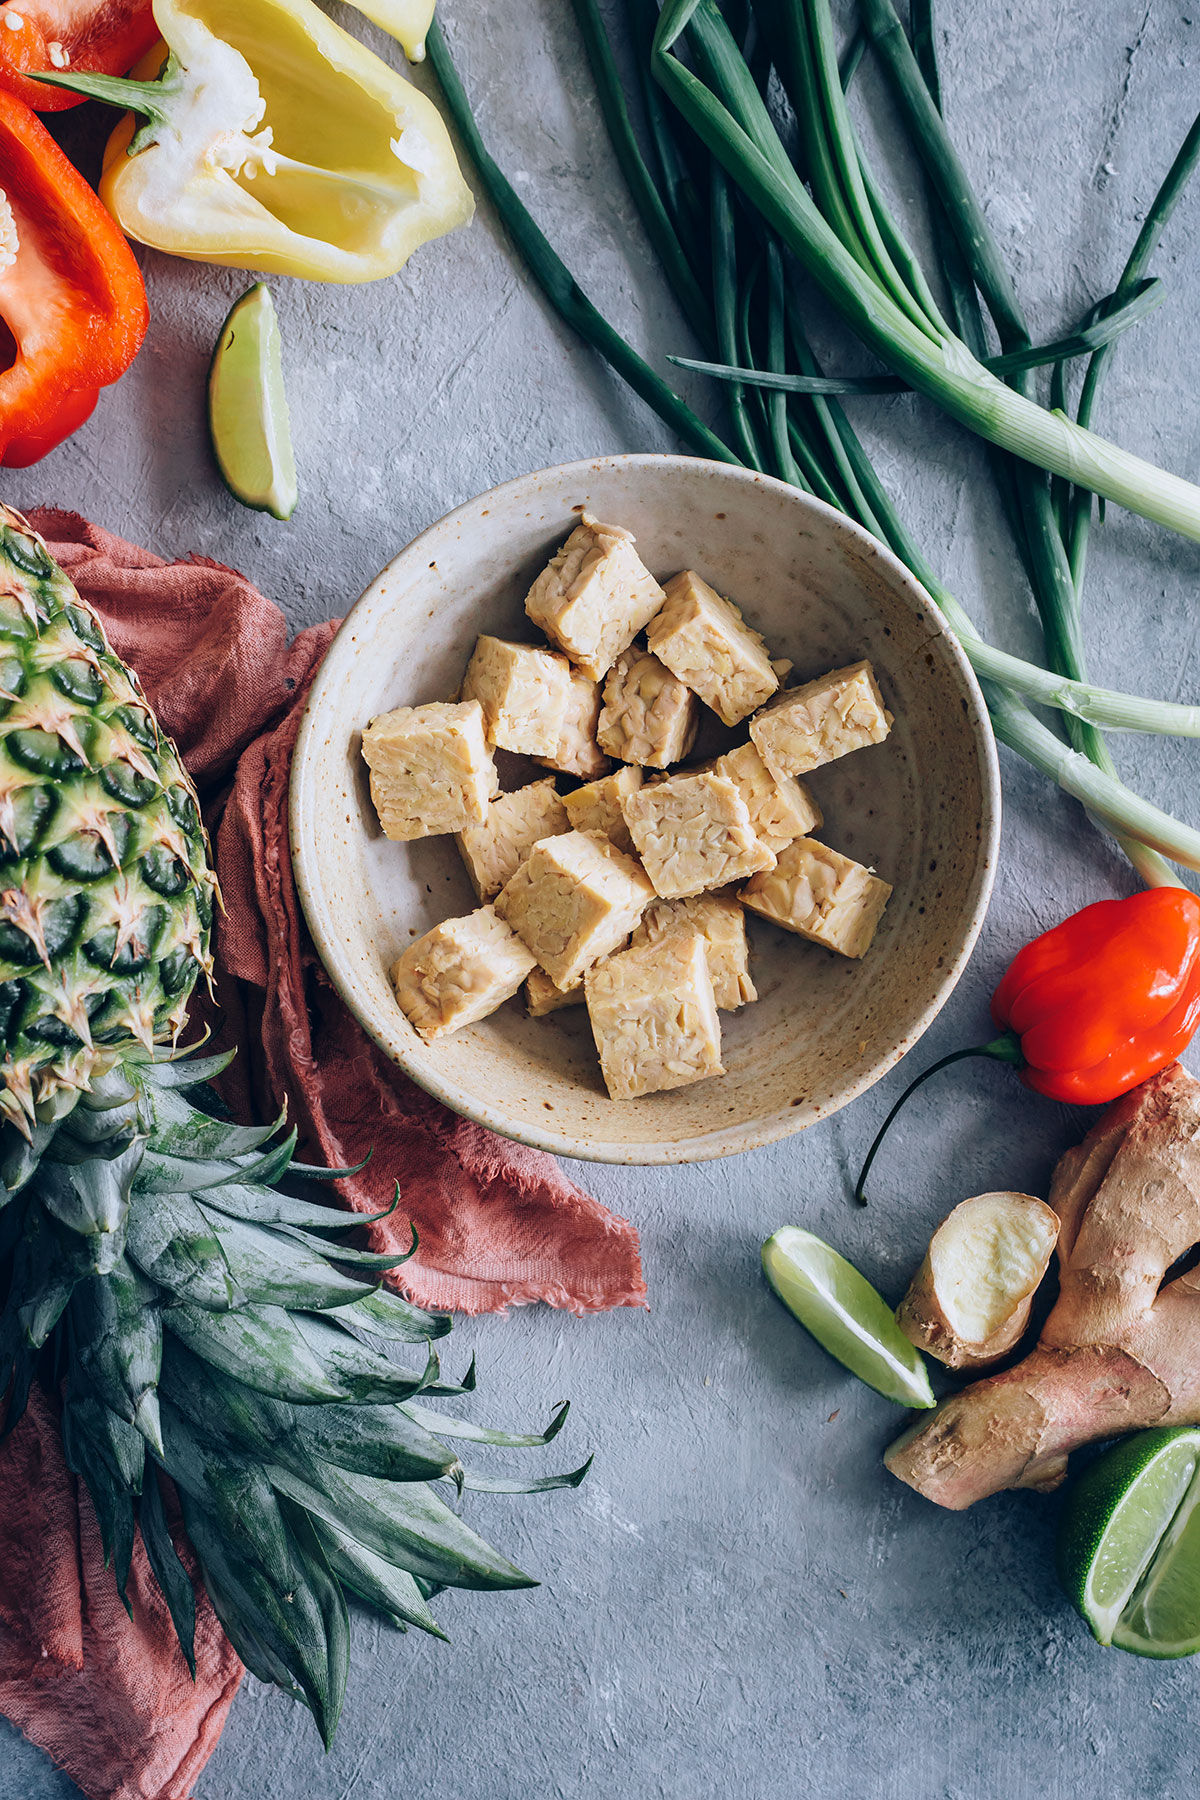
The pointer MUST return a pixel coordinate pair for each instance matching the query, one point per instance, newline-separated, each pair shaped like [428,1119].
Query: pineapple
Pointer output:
[197,1323]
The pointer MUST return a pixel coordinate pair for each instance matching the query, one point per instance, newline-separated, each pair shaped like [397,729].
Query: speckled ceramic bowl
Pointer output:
[921,808]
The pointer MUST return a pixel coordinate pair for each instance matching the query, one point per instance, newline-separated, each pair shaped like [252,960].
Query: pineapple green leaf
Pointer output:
[484,1434]
[278,1268]
[266,1206]
[373,1440]
[173,1243]
[386,1315]
[450,1388]
[358,1259]
[366,1375]
[178,1175]
[539,1484]
[261,1346]
[88,1128]
[326,1591]
[117,1328]
[222,1410]
[18,1383]
[381,1585]
[87,1456]
[93,1200]
[237,1496]
[257,1620]
[20,1157]
[181,1130]
[315,1172]
[48,1264]
[169,1572]
[403,1522]
[191,1073]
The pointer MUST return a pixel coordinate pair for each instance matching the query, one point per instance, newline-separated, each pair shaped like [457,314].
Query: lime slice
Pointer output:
[1129,1544]
[845,1315]
[248,409]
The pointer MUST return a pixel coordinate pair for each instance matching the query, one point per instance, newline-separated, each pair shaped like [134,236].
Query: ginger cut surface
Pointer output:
[968,1303]
[1121,1348]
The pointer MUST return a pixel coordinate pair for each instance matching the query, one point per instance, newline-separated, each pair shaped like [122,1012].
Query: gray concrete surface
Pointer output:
[740,1602]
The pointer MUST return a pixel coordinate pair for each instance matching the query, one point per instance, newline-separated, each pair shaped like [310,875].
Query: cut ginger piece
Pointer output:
[969,1301]
[1119,1349]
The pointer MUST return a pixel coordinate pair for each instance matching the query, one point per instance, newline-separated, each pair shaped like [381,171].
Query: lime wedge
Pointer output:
[845,1314]
[1129,1544]
[248,409]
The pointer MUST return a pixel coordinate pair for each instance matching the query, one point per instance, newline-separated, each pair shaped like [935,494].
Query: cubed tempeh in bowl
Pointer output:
[594,596]
[431,768]
[494,850]
[523,691]
[821,895]
[721,922]
[459,972]
[708,644]
[577,752]
[654,1017]
[805,727]
[693,832]
[598,806]
[573,901]
[649,716]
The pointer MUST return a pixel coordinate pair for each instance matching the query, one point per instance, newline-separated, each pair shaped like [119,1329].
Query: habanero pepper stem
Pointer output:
[1095,1006]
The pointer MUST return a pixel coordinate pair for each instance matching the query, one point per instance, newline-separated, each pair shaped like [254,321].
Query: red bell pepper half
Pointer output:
[103,37]
[73,308]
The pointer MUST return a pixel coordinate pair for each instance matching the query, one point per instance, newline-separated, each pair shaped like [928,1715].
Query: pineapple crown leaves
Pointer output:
[206,1328]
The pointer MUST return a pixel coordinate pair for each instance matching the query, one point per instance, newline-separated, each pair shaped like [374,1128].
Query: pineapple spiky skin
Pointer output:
[106,895]
[194,1322]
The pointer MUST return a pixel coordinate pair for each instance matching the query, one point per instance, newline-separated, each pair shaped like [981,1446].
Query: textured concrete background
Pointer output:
[739,1602]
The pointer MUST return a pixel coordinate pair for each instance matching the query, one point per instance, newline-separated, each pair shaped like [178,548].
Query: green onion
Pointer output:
[757,330]
[1101,328]
[861,279]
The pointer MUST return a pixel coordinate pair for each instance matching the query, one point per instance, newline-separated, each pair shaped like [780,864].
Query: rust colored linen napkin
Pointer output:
[108,1698]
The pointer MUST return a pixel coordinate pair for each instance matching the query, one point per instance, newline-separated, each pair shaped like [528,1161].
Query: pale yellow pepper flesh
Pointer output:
[286,146]
[405,20]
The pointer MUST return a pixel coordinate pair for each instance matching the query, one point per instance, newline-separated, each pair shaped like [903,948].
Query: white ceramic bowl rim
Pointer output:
[318,903]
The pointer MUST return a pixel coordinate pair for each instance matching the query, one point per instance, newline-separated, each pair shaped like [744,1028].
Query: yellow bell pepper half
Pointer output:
[405,20]
[276,141]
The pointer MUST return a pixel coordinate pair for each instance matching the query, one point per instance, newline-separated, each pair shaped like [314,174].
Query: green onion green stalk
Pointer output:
[728,210]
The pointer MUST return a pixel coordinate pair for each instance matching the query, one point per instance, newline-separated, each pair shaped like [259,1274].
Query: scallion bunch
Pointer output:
[738,219]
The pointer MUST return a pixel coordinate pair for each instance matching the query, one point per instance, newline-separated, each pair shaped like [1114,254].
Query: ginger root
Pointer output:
[1121,1349]
[969,1301]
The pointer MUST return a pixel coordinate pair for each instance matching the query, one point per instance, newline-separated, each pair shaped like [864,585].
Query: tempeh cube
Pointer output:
[654,1017]
[514,823]
[806,726]
[595,595]
[574,901]
[721,922]
[577,752]
[822,895]
[459,972]
[597,807]
[649,717]
[708,644]
[431,768]
[781,807]
[693,832]
[524,693]
[542,996]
